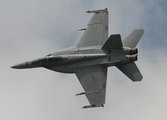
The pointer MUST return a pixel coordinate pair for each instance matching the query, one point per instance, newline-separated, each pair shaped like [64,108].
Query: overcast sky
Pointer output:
[31,29]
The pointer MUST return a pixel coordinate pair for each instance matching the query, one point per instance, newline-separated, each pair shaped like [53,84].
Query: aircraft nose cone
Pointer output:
[16,66]
[21,66]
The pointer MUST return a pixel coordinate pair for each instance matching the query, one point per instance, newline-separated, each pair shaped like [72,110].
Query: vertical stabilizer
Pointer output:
[132,39]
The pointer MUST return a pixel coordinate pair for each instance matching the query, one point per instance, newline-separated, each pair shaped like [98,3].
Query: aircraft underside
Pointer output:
[90,58]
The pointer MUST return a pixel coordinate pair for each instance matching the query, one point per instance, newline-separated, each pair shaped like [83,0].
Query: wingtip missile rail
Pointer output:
[92,106]
[97,11]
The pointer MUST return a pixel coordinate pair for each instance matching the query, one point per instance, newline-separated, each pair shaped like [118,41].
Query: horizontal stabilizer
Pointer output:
[132,39]
[113,42]
[131,71]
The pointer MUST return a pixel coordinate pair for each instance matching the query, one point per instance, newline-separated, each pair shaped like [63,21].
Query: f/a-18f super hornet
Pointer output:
[91,57]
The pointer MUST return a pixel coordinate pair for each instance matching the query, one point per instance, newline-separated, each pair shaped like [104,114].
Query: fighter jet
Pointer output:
[92,56]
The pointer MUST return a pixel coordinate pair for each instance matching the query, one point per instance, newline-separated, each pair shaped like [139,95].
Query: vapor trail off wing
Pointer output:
[97,31]
[93,80]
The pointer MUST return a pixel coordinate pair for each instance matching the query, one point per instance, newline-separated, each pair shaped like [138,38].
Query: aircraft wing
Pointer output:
[93,80]
[97,30]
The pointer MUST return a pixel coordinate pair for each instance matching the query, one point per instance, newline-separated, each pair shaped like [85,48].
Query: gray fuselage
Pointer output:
[71,59]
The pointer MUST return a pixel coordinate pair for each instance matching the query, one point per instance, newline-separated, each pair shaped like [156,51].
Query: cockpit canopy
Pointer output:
[47,60]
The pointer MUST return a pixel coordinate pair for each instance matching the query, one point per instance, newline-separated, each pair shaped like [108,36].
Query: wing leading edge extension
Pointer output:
[93,80]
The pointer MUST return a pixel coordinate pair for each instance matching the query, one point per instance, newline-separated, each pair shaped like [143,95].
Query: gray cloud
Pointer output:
[31,29]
